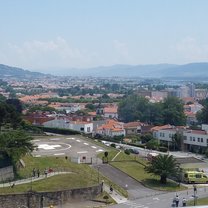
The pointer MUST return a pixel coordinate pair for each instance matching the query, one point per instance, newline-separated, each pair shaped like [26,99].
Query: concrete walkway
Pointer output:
[116,196]
[32,179]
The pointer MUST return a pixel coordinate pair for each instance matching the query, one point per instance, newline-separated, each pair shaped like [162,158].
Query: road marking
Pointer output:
[78,140]
[94,147]
[156,199]
[82,152]
[55,139]
[48,146]
[86,143]
[59,154]
[70,138]
[100,150]
[36,140]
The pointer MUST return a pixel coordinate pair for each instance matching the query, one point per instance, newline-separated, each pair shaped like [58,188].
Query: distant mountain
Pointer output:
[192,70]
[187,71]
[9,71]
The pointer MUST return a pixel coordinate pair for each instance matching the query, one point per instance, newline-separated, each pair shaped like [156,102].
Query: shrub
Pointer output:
[163,149]
[127,151]
[113,145]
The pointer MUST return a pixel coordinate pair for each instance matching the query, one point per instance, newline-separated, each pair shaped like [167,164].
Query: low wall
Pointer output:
[6,173]
[44,199]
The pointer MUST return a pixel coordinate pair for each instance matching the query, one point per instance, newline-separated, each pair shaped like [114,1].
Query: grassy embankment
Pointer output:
[134,167]
[202,201]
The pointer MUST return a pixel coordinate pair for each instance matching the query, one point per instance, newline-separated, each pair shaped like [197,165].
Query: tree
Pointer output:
[15,145]
[177,140]
[133,108]
[202,116]
[152,144]
[173,111]
[163,166]
[16,103]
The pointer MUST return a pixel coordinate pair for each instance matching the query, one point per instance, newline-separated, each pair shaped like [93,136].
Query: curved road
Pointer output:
[135,189]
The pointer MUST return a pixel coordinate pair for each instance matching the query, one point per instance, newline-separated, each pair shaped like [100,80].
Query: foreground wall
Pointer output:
[44,199]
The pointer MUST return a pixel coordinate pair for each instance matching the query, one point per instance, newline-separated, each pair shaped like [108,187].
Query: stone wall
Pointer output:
[44,199]
[6,173]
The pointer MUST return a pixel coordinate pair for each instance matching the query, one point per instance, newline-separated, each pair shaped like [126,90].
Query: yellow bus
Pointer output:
[195,177]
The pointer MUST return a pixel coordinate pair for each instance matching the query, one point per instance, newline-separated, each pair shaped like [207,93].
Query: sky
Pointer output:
[53,35]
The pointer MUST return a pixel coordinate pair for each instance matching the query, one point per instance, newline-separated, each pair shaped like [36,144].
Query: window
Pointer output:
[163,134]
[82,129]
[198,175]
[194,139]
[190,138]
[160,134]
[198,139]
[170,135]
[207,141]
[202,140]
[88,129]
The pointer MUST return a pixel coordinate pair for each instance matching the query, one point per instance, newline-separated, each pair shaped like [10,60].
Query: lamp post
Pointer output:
[98,167]
[31,182]
[195,196]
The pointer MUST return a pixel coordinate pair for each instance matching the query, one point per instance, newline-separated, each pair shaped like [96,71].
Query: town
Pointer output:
[140,117]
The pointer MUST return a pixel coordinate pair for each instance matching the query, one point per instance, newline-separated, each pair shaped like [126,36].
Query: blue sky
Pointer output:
[46,35]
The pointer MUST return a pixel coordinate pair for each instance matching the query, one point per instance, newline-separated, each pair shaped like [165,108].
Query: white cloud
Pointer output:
[46,54]
[121,53]
[191,50]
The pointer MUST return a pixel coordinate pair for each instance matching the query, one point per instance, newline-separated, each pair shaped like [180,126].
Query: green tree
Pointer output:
[177,140]
[16,103]
[15,145]
[163,166]
[202,116]
[133,108]
[152,144]
[173,111]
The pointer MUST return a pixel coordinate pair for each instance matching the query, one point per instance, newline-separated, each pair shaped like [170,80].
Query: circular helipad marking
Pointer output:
[53,147]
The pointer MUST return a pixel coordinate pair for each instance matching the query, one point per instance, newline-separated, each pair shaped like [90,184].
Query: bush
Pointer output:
[113,145]
[127,151]
[163,149]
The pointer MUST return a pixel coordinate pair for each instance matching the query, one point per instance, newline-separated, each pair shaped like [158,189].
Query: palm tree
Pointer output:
[163,166]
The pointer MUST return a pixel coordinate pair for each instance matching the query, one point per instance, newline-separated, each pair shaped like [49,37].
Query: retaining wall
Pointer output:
[44,199]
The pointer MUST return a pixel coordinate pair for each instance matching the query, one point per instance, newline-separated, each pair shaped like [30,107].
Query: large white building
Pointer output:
[191,139]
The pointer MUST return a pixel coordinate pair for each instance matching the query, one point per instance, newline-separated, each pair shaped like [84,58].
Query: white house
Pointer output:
[81,126]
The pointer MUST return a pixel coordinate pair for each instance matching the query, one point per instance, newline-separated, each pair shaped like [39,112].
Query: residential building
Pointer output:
[133,128]
[111,128]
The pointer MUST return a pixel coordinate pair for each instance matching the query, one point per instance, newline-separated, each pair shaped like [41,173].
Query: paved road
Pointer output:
[161,201]
[134,188]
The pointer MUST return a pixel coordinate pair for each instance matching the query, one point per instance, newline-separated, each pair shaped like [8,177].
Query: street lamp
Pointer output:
[98,167]
[195,196]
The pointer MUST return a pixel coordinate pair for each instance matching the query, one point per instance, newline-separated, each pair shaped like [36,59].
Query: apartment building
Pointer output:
[192,140]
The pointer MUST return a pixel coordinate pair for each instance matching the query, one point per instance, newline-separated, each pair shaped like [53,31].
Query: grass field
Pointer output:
[81,175]
[203,201]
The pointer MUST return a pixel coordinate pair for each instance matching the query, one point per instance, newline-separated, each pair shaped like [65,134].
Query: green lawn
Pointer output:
[81,175]
[136,171]
[203,201]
